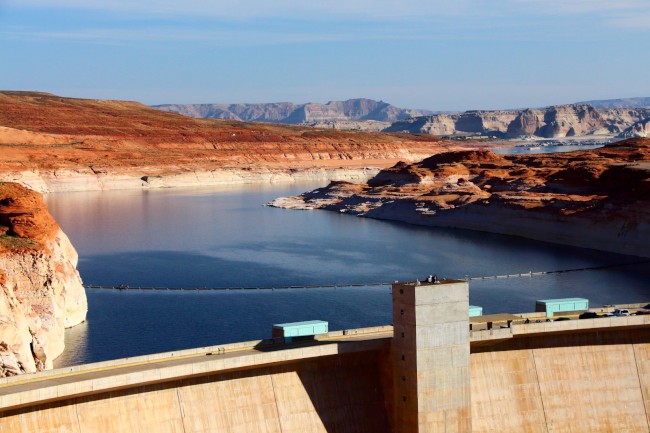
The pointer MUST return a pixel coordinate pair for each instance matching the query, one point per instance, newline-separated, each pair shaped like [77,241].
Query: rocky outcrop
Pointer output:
[638,129]
[556,121]
[310,113]
[41,292]
[596,199]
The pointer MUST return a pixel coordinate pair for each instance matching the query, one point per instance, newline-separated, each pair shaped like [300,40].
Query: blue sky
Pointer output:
[435,54]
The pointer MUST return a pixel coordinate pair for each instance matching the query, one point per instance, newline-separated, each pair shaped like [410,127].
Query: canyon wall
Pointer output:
[611,117]
[47,181]
[41,291]
[551,122]
[628,235]
[638,129]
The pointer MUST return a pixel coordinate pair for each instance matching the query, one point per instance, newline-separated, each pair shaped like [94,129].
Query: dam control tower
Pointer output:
[431,357]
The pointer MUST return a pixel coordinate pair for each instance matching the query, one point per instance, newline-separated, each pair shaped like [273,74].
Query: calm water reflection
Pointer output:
[220,237]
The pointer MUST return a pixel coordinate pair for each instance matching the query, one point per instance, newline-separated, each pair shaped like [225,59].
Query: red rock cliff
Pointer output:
[40,289]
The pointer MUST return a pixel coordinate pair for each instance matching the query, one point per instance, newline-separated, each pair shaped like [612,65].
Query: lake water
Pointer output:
[533,149]
[225,237]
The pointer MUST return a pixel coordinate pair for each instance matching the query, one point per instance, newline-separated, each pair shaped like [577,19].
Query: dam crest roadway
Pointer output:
[501,373]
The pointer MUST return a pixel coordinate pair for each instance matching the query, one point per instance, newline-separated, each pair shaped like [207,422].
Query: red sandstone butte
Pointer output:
[597,199]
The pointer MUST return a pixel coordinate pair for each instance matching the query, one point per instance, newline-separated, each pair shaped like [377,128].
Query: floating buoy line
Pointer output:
[530,274]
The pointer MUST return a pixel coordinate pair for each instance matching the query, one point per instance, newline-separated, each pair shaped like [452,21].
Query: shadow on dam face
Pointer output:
[339,393]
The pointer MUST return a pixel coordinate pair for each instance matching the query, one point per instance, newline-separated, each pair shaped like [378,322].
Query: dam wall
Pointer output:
[326,394]
[595,380]
[562,376]
[568,382]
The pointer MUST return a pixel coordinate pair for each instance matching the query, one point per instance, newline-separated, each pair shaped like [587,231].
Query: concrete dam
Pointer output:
[433,370]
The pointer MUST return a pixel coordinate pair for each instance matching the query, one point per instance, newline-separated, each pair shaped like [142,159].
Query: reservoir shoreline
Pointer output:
[68,180]
[546,228]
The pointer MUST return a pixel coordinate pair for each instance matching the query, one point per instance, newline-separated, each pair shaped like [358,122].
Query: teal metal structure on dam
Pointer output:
[551,306]
[308,328]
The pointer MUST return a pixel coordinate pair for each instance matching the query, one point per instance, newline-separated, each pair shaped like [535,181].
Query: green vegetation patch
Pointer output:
[11,242]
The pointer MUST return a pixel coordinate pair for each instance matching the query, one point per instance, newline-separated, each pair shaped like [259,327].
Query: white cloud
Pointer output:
[335,20]
[586,6]
[619,13]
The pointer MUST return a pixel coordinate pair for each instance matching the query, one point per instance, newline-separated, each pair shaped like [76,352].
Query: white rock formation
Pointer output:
[41,294]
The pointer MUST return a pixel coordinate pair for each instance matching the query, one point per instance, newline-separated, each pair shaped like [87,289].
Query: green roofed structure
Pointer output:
[552,306]
[299,329]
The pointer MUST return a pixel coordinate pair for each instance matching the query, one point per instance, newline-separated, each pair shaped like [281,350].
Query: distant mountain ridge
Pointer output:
[624,118]
[360,109]
[640,102]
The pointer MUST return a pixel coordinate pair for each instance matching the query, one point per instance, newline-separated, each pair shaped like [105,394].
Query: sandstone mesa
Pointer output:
[351,114]
[52,143]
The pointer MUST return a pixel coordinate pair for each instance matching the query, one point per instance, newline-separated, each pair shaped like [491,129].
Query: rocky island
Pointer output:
[596,199]
[41,292]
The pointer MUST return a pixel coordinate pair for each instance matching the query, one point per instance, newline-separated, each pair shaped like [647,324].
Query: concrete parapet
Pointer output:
[544,327]
[491,334]
[186,354]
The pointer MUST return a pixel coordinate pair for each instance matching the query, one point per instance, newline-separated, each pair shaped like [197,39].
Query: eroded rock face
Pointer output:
[597,199]
[285,112]
[556,121]
[639,129]
[41,292]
